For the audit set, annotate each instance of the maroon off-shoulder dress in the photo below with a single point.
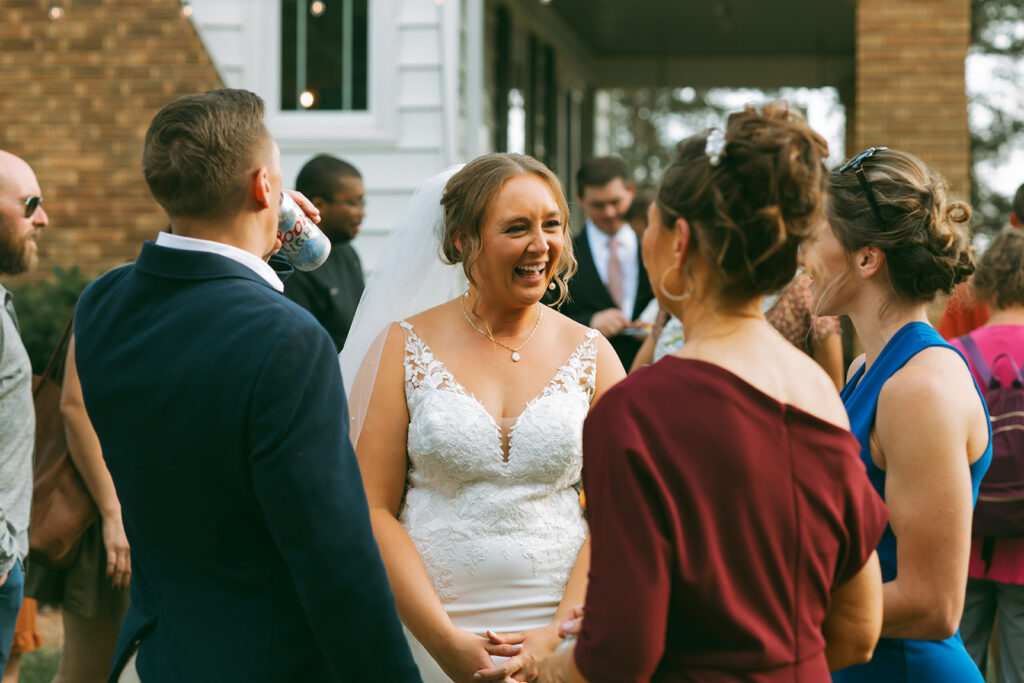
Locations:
(721, 520)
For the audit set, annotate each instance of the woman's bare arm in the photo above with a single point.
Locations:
(923, 423)
(84, 447)
(854, 620)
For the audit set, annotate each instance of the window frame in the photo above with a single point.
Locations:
(377, 124)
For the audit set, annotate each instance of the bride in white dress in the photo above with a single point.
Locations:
(468, 419)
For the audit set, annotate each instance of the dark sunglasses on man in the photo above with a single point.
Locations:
(857, 165)
(31, 204)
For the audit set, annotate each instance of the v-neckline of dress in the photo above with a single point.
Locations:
(459, 388)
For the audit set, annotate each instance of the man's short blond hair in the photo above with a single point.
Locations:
(200, 151)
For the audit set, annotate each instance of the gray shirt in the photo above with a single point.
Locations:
(17, 438)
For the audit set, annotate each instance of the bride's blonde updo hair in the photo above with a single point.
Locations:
(751, 196)
(921, 231)
(467, 199)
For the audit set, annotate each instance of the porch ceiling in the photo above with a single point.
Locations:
(697, 28)
(715, 42)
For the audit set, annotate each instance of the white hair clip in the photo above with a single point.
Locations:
(714, 146)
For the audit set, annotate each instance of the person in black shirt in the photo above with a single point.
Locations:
(332, 291)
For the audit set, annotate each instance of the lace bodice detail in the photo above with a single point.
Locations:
(465, 490)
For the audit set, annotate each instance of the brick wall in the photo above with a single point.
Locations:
(78, 95)
(910, 82)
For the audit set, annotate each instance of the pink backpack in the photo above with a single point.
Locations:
(1000, 508)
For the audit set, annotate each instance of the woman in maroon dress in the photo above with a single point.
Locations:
(733, 526)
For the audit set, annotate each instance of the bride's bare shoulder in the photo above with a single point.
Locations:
(565, 324)
(433, 322)
(437, 317)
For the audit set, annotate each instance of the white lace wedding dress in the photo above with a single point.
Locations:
(492, 511)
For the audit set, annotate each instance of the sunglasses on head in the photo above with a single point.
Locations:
(31, 204)
(857, 165)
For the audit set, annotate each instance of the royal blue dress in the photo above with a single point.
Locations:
(903, 660)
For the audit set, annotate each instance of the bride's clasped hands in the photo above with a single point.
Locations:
(465, 656)
(531, 648)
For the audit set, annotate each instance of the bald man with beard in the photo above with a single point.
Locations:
(21, 218)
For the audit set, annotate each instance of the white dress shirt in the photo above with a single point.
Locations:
(626, 249)
(247, 259)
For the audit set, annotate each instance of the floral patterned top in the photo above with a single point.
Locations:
(791, 316)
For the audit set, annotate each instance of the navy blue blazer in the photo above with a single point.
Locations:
(220, 409)
(588, 295)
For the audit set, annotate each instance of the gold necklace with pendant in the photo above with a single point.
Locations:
(514, 350)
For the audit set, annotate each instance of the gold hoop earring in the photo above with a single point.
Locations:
(669, 295)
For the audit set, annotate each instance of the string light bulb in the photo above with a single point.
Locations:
(545, 2)
(56, 12)
(306, 99)
(186, 9)
(317, 8)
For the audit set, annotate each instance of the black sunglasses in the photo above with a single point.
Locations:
(856, 164)
(31, 204)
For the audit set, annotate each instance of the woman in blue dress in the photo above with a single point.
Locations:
(897, 240)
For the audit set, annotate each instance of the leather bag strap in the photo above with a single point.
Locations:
(56, 362)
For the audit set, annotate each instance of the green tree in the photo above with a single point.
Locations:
(646, 125)
(996, 107)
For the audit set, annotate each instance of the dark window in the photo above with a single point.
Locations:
(324, 54)
(542, 104)
(502, 77)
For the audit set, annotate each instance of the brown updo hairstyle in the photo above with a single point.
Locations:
(999, 281)
(924, 234)
(749, 213)
(468, 196)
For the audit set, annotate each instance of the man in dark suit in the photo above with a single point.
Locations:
(610, 290)
(332, 291)
(221, 413)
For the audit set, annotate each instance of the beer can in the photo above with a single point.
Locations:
(302, 242)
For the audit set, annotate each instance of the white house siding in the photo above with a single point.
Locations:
(407, 135)
(220, 27)
(430, 96)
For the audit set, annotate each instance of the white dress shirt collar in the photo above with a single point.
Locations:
(247, 259)
(625, 237)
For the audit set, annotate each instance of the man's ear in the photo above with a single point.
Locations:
(1015, 221)
(262, 193)
(319, 202)
(868, 261)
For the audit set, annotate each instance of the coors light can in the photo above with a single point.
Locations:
(304, 244)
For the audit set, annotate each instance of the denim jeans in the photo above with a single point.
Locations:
(10, 603)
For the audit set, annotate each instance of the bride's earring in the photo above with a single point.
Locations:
(551, 285)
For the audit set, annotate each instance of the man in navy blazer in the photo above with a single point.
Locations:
(610, 290)
(220, 409)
